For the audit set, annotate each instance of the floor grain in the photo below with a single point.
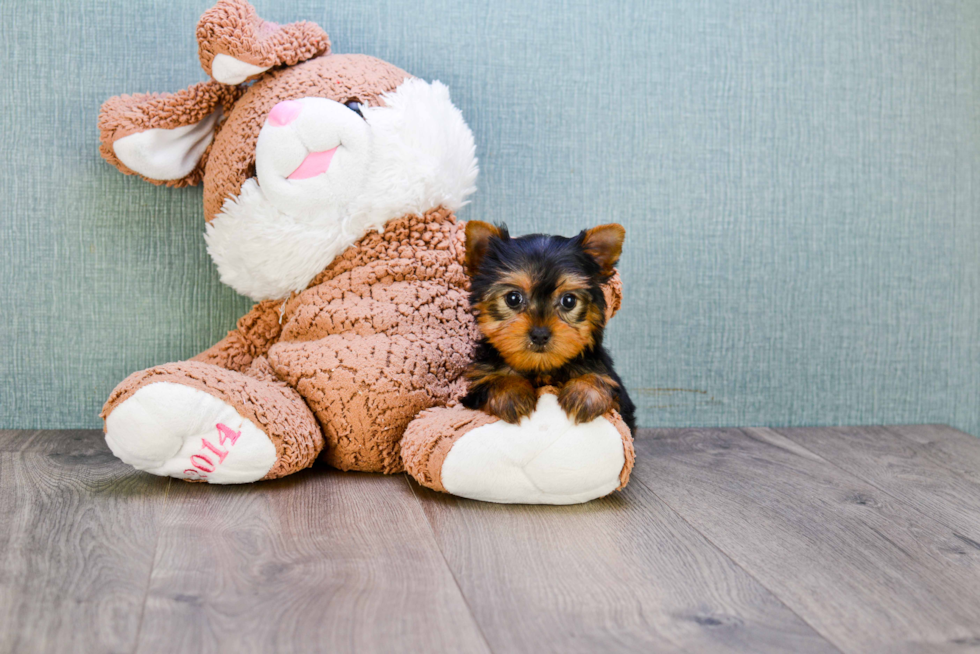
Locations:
(845, 539)
(336, 562)
(945, 446)
(623, 573)
(904, 469)
(76, 546)
(11, 440)
(869, 572)
(66, 441)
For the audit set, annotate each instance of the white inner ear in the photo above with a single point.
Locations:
(167, 154)
(228, 70)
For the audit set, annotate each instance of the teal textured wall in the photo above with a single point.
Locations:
(799, 182)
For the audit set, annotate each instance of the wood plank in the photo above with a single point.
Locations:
(62, 441)
(943, 445)
(620, 574)
(11, 440)
(76, 547)
(867, 571)
(902, 468)
(320, 560)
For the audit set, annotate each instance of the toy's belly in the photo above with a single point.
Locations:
(370, 349)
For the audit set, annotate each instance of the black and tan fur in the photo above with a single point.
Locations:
(540, 306)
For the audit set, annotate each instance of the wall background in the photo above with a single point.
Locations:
(799, 182)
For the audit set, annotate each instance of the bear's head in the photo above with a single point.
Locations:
(301, 151)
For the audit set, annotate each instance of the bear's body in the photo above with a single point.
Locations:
(330, 186)
(383, 333)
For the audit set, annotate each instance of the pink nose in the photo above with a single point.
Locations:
(285, 113)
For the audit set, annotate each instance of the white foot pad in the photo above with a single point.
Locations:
(174, 430)
(546, 459)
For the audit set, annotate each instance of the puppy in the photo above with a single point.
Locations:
(539, 304)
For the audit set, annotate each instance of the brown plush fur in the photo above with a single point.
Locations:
(430, 437)
(381, 334)
(123, 115)
(335, 77)
(378, 341)
(271, 405)
(230, 160)
(235, 29)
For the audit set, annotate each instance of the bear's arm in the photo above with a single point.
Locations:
(256, 332)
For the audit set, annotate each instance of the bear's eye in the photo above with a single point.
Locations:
(355, 106)
(514, 299)
(568, 301)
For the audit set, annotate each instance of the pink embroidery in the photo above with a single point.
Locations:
(226, 433)
(200, 466)
(221, 453)
(202, 463)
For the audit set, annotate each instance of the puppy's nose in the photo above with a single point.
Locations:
(285, 112)
(540, 335)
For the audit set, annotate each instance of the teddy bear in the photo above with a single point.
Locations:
(330, 186)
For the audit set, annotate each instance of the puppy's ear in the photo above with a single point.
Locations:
(604, 244)
(478, 235)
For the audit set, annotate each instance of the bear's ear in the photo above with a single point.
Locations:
(235, 45)
(164, 137)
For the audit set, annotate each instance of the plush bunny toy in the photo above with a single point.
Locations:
(330, 183)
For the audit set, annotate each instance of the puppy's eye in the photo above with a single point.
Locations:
(355, 106)
(568, 301)
(514, 299)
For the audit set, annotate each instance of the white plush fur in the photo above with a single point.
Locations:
(546, 459)
(321, 125)
(167, 154)
(228, 70)
(421, 156)
(162, 425)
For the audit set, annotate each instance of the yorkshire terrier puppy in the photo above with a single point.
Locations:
(539, 304)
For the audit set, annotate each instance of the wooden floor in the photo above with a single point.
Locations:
(805, 540)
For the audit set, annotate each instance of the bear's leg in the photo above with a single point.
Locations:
(364, 390)
(200, 422)
(546, 459)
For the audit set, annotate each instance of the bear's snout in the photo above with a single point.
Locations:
(312, 155)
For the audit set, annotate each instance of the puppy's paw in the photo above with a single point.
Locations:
(511, 398)
(587, 397)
